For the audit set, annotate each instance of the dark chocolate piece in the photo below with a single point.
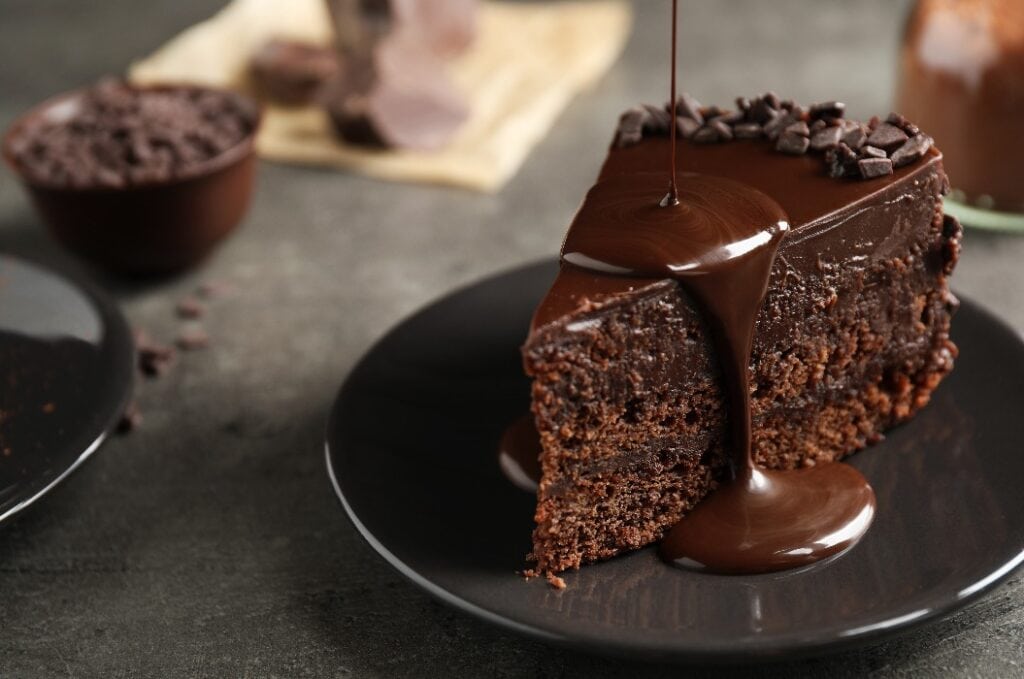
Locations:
(826, 138)
(830, 109)
(871, 152)
(747, 131)
(912, 150)
(887, 136)
(120, 136)
(792, 143)
(874, 167)
(291, 72)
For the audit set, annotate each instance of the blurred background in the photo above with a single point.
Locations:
(233, 557)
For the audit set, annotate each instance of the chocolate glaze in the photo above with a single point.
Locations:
(519, 454)
(719, 241)
(962, 68)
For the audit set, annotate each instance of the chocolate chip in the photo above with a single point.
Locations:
(841, 161)
(871, 152)
(705, 135)
(687, 127)
(747, 131)
(689, 107)
(792, 143)
(799, 128)
(855, 137)
(723, 129)
(826, 138)
(761, 111)
(912, 150)
(631, 127)
(818, 124)
(901, 122)
(887, 136)
(710, 112)
(874, 167)
(731, 117)
(773, 128)
(656, 120)
(832, 109)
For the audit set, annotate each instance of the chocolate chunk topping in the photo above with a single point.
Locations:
(723, 129)
(826, 138)
(792, 129)
(747, 131)
(887, 136)
(687, 127)
(688, 107)
(707, 134)
(855, 137)
(912, 150)
(899, 121)
(792, 143)
(831, 109)
(799, 128)
(874, 167)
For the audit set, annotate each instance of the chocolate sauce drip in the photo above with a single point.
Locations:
(519, 454)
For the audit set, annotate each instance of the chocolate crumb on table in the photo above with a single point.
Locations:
(154, 359)
(131, 419)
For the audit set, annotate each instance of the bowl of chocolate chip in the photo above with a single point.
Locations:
(140, 180)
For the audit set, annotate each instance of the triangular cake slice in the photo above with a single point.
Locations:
(852, 338)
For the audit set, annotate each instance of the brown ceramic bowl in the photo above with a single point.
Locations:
(154, 227)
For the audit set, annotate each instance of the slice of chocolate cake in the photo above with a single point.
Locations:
(851, 338)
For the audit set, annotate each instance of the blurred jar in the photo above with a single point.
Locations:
(962, 82)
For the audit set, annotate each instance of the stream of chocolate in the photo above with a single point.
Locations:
(718, 240)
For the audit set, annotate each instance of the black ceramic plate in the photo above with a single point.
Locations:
(65, 375)
(411, 449)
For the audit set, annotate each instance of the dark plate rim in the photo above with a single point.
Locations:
(749, 651)
(116, 331)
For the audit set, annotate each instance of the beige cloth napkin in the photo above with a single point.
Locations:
(527, 63)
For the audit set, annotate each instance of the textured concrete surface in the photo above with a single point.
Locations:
(209, 542)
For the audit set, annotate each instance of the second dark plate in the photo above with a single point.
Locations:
(66, 372)
(411, 449)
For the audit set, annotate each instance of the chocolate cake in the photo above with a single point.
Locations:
(851, 339)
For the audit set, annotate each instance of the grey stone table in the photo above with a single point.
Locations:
(209, 543)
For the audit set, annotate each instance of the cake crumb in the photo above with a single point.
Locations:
(189, 307)
(130, 420)
(555, 581)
